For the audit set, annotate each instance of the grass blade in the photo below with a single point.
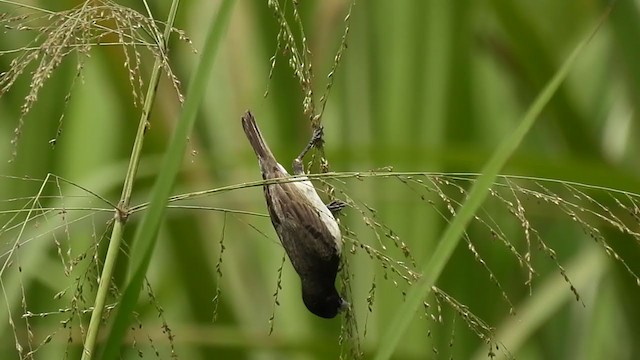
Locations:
(145, 238)
(449, 241)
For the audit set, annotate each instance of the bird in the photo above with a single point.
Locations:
(306, 227)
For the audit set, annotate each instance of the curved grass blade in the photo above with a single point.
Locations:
(145, 238)
(449, 240)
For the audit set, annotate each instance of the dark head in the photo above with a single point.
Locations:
(324, 301)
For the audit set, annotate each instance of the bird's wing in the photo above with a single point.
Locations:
(306, 239)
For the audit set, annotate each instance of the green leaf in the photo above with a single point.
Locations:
(146, 235)
(451, 237)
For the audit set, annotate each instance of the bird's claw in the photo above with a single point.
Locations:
(318, 136)
(335, 206)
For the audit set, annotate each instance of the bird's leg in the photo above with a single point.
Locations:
(335, 206)
(316, 138)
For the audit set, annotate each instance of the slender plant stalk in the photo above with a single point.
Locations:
(125, 198)
(433, 268)
(586, 268)
(146, 235)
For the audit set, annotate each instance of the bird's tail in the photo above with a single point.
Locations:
(264, 154)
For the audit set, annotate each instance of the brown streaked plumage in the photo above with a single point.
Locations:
(307, 229)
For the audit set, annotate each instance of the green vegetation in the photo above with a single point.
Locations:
(426, 107)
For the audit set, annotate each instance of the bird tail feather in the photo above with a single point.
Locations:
(259, 145)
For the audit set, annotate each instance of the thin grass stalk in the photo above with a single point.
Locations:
(121, 213)
(448, 242)
(587, 267)
(145, 238)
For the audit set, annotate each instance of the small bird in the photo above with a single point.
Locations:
(306, 226)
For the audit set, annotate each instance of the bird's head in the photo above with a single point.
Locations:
(323, 301)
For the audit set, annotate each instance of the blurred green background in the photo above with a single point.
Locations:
(426, 86)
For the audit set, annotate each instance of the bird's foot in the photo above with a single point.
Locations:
(335, 206)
